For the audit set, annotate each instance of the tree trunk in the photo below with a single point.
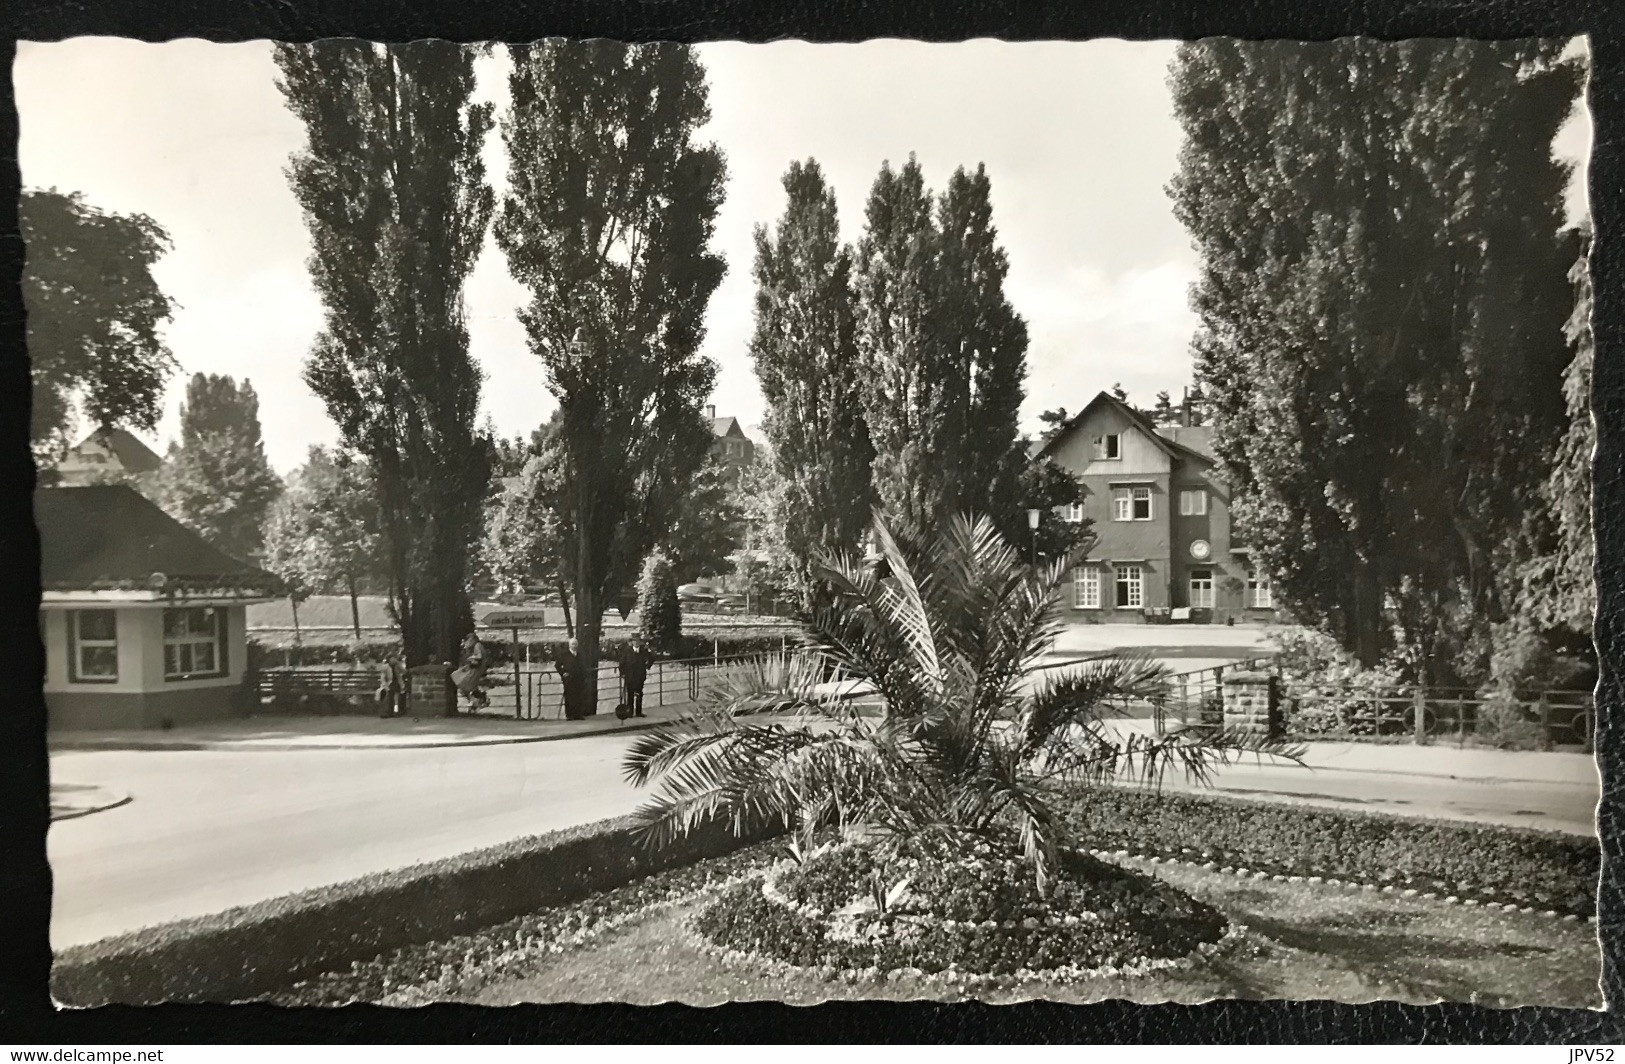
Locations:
(295, 604)
(355, 608)
(588, 610)
(564, 604)
(1367, 619)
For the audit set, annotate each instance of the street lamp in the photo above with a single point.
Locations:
(1033, 516)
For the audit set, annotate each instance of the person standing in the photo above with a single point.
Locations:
(568, 663)
(634, 670)
(471, 675)
(391, 686)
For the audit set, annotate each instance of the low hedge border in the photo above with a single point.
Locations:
(1152, 860)
(1543, 871)
(253, 950)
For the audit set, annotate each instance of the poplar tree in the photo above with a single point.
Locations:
(395, 198)
(608, 223)
(1381, 306)
(805, 352)
(912, 394)
(986, 343)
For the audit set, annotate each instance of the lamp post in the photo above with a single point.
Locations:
(1033, 516)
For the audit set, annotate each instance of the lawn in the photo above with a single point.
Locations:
(1301, 940)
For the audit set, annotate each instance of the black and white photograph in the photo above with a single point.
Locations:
(584, 521)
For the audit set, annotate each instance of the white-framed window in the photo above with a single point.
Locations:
(1260, 595)
(1109, 447)
(1130, 587)
(1131, 504)
(1202, 588)
(194, 643)
(1192, 502)
(92, 646)
(1086, 587)
(1072, 512)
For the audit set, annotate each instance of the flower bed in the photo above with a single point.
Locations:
(851, 908)
(434, 971)
(1544, 870)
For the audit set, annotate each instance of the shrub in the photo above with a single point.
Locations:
(1547, 870)
(257, 949)
(660, 615)
(1502, 722)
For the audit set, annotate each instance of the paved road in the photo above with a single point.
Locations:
(208, 829)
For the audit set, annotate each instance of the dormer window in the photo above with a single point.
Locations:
(1109, 448)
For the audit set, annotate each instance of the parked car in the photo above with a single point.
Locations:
(696, 593)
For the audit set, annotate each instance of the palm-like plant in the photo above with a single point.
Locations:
(973, 735)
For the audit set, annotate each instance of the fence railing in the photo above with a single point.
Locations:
(535, 691)
(532, 691)
(1438, 714)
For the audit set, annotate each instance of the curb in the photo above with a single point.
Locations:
(1239, 872)
(428, 744)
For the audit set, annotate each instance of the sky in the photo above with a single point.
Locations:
(1078, 139)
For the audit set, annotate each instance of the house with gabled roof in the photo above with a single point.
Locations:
(144, 621)
(1161, 514)
(729, 443)
(107, 455)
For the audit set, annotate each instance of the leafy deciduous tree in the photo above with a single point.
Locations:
(608, 223)
(1381, 302)
(324, 534)
(805, 352)
(910, 388)
(394, 194)
(709, 526)
(94, 314)
(216, 478)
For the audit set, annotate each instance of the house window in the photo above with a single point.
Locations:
(194, 643)
(1131, 504)
(1130, 587)
(1260, 595)
(1109, 448)
(1073, 512)
(1193, 503)
(1086, 588)
(1202, 588)
(93, 646)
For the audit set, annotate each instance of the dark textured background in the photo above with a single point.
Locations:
(26, 1014)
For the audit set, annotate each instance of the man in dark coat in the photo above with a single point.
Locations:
(634, 670)
(569, 666)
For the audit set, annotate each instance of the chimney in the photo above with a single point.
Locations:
(711, 412)
(1185, 409)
